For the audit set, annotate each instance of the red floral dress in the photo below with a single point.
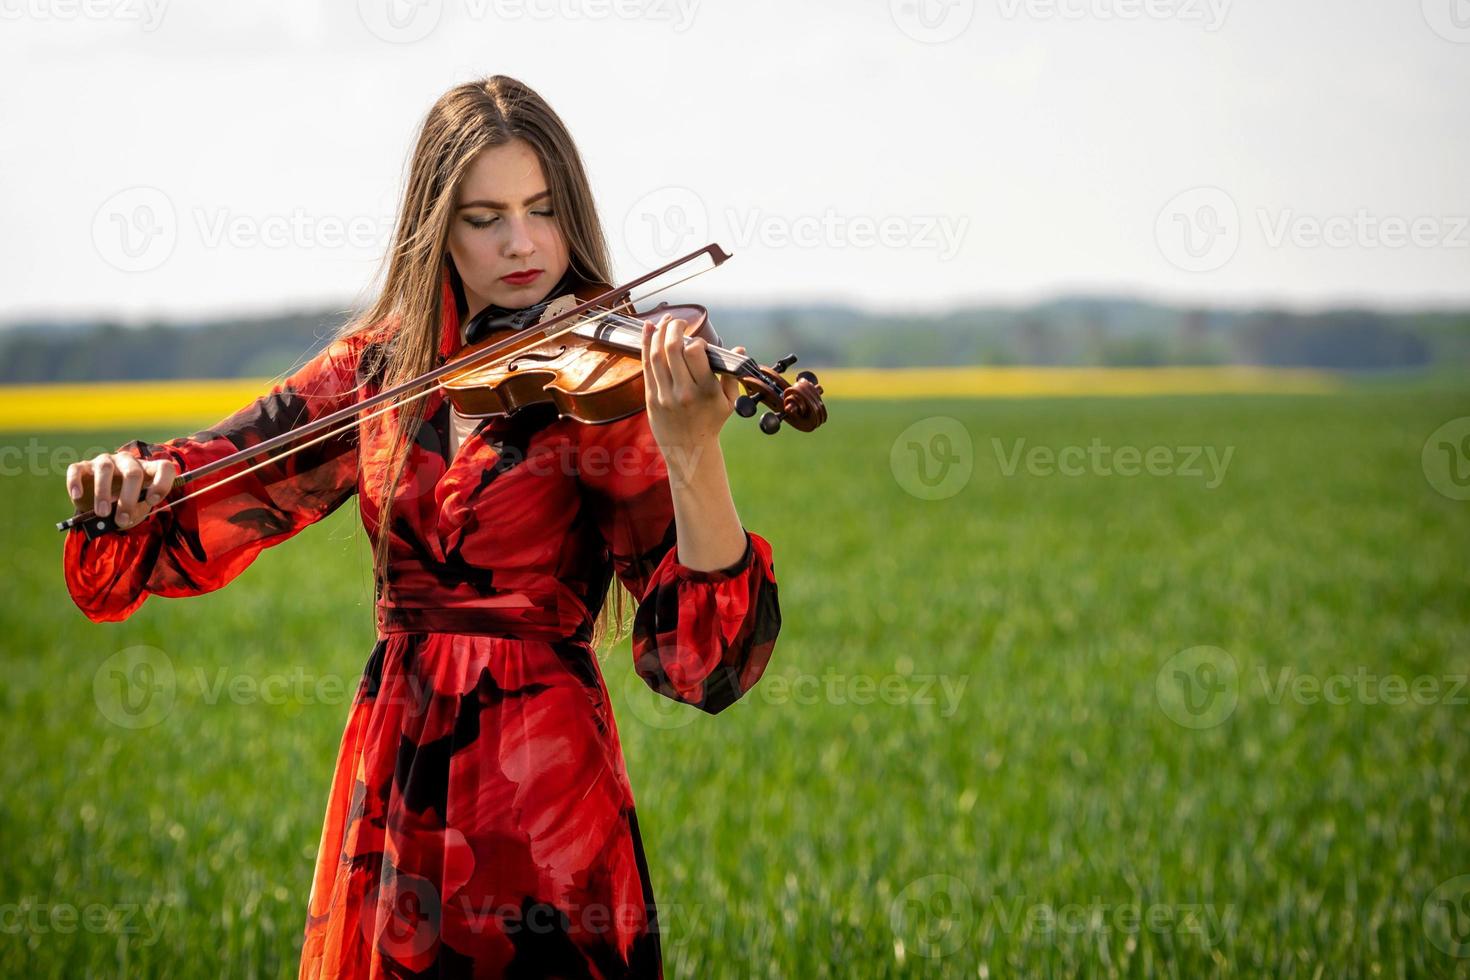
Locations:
(480, 821)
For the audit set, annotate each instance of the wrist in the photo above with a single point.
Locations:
(696, 462)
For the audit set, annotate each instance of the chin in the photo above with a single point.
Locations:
(510, 297)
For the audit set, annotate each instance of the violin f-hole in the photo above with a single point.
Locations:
(538, 356)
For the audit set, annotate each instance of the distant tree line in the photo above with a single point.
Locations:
(1070, 331)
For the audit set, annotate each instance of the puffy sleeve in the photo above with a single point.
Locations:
(203, 543)
(700, 637)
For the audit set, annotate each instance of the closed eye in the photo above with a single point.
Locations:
(487, 222)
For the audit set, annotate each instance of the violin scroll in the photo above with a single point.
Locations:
(798, 403)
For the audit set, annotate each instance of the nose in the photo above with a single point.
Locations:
(518, 240)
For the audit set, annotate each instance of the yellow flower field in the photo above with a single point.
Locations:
(1046, 382)
(110, 404)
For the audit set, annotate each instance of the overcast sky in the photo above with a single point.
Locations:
(166, 158)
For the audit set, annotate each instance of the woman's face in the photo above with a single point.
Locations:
(503, 224)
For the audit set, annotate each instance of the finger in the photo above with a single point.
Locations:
(650, 380)
(731, 386)
(102, 468)
(162, 482)
(128, 510)
(75, 477)
(730, 383)
(660, 364)
(696, 356)
(673, 344)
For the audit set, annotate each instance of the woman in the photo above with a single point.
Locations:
(480, 820)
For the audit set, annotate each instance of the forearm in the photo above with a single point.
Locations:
(710, 535)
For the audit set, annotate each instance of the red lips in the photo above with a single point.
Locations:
(522, 278)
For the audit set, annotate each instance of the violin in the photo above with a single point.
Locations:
(581, 351)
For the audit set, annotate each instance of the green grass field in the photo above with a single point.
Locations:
(1179, 724)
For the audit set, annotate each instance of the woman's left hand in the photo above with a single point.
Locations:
(687, 402)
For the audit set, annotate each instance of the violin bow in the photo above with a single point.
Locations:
(351, 415)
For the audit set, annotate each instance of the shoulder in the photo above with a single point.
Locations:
(352, 360)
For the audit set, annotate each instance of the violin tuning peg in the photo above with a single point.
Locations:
(745, 406)
(770, 423)
(806, 376)
(784, 363)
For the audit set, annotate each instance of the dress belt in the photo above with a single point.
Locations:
(481, 622)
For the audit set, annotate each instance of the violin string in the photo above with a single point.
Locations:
(634, 323)
(437, 386)
(730, 360)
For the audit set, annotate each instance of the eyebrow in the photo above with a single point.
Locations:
(498, 206)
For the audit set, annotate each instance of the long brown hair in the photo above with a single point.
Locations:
(464, 121)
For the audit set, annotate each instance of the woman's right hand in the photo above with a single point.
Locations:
(106, 479)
